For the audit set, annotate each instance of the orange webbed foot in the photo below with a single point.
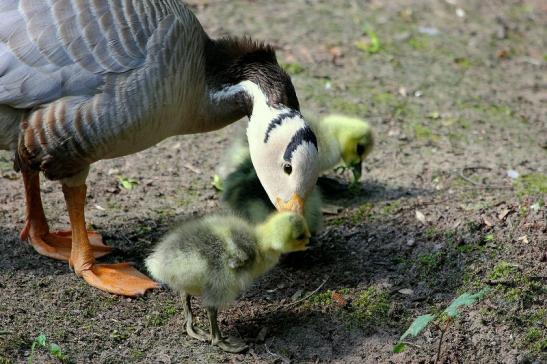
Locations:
(58, 245)
(121, 279)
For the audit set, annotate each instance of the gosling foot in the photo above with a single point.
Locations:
(197, 333)
(231, 344)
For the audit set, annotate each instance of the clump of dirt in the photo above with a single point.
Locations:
(452, 201)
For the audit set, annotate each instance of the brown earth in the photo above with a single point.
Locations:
(457, 95)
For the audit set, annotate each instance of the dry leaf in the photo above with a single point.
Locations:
(339, 299)
(331, 209)
(503, 214)
(487, 221)
(335, 52)
(524, 239)
(420, 217)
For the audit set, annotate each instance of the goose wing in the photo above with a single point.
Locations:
(55, 48)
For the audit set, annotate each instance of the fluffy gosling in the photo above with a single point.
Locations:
(218, 257)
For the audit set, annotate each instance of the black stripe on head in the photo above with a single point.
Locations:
(300, 137)
(278, 121)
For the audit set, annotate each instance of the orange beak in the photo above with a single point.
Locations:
(295, 204)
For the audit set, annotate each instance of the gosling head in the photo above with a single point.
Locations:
(285, 232)
(356, 141)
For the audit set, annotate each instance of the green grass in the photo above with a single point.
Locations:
(368, 309)
(429, 263)
(362, 213)
(534, 184)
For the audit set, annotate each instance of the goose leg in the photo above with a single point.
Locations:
(55, 245)
(192, 331)
(119, 278)
(229, 344)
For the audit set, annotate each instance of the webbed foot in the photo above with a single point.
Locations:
(120, 278)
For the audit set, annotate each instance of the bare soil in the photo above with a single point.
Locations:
(457, 95)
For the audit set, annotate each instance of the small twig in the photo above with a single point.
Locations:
(5, 332)
(500, 282)
(308, 296)
(192, 168)
(441, 341)
(476, 184)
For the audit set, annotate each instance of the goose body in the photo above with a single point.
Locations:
(90, 80)
(218, 257)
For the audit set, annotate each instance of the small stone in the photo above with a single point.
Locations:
(512, 174)
(406, 291)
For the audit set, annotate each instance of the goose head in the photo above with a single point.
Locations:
(283, 148)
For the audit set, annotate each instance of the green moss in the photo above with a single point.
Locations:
(463, 62)
(429, 263)
(419, 42)
(119, 335)
(5, 165)
(516, 286)
(321, 299)
(161, 318)
(293, 68)
(422, 132)
(502, 270)
(531, 185)
(4, 360)
(336, 222)
(137, 354)
(362, 213)
(391, 207)
(369, 308)
(384, 98)
(431, 233)
(535, 339)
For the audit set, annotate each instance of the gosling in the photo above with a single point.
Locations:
(218, 257)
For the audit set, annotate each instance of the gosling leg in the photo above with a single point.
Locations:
(229, 344)
(193, 331)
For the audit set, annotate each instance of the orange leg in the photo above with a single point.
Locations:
(55, 245)
(119, 278)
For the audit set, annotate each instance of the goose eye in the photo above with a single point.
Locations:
(360, 149)
(287, 168)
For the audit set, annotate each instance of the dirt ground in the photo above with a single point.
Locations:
(457, 94)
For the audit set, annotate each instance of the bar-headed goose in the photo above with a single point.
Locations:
(342, 140)
(82, 81)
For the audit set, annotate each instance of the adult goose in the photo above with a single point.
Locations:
(82, 81)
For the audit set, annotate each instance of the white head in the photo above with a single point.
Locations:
(283, 150)
(245, 79)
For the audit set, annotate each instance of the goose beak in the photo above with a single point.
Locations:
(295, 204)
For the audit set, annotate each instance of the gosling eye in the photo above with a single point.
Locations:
(287, 168)
(360, 149)
(301, 237)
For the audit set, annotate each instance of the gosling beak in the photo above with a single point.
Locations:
(356, 170)
(295, 204)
